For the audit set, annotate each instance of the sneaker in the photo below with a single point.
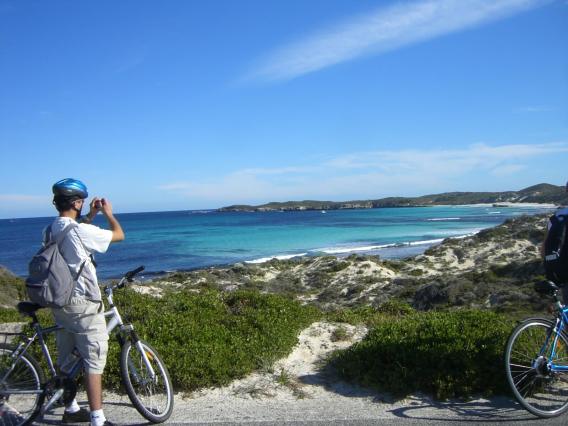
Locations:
(81, 416)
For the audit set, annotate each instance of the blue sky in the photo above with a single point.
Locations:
(188, 105)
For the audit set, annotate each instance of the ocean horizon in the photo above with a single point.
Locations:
(193, 239)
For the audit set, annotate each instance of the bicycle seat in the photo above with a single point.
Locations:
(546, 287)
(28, 308)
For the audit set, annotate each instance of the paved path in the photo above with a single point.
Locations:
(354, 410)
(315, 397)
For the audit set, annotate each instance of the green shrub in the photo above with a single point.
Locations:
(371, 316)
(497, 233)
(488, 277)
(12, 288)
(205, 339)
(285, 283)
(460, 253)
(10, 315)
(446, 354)
(340, 334)
(318, 279)
(396, 307)
(46, 319)
(211, 338)
(394, 265)
(337, 266)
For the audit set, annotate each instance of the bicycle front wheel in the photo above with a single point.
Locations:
(151, 393)
(21, 393)
(535, 357)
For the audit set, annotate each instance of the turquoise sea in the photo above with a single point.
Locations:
(184, 240)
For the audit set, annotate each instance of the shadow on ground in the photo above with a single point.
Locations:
(423, 407)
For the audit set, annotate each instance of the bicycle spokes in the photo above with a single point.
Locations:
(147, 381)
(537, 367)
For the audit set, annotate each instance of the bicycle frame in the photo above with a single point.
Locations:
(561, 322)
(23, 346)
(114, 321)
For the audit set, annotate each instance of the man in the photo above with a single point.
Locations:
(83, 321)
(560, 212)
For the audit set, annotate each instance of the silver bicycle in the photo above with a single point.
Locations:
(26, 392)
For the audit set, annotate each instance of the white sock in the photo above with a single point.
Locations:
(97, 418)
(73, 407)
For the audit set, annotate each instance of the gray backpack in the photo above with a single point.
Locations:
(50, 282)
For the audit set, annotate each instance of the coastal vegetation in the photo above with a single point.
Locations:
(444, 354)
(11, 289)
(541, 193)
(437, 322)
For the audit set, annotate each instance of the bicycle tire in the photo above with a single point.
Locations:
(542, 392)
(154, 400)
(23, 374)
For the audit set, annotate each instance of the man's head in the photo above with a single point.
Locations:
(68, 194)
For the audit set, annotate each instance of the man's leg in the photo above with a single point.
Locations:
(86, 320)
(95, 395)
(94, 358)
(94, 391)
(73, 413)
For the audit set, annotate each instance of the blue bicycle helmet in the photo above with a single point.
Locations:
(70, 188)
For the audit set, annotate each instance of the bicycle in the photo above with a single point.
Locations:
(25, 393)
(536, 359)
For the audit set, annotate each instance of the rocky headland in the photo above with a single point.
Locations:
(541, 194)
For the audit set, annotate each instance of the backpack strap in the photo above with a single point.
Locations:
(61, 236)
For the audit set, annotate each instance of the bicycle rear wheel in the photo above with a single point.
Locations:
(21, 393)
(528, 357)
(152, 397)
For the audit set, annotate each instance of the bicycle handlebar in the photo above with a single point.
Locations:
(550, 288)
(127, 278)
(131, 274)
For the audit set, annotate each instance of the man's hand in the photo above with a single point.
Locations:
(94, 207)
(117, 232)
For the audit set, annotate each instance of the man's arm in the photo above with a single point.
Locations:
(114, 225)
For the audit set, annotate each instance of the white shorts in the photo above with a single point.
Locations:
(84, 328)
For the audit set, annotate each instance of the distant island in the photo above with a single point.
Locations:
(543, 193)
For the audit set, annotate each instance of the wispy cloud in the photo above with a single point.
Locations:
(368, 174)
(475, 156)
(383, 30)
